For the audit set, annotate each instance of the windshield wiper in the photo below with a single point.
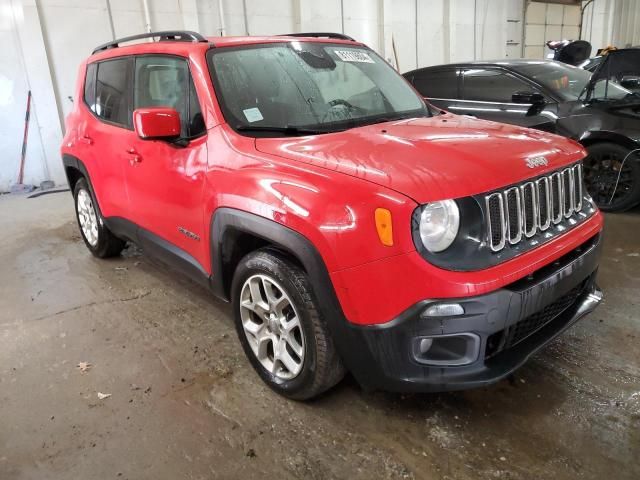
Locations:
(287, 130)
(389, 118)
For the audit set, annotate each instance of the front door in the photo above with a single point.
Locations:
(166, 180)
(487, 93)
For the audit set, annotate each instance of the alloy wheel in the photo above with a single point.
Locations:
(87, 217)
(272, 326)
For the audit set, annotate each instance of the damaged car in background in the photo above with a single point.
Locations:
(593, 109)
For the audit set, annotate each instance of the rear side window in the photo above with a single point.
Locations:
(437, 83)
(485, 85)
(165, 81)
(90, 86)
(112, 92)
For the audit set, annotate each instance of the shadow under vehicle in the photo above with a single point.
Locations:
(594, 109)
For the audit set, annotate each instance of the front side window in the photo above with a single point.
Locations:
(437, 83)
(308, 85)
(570, 82)
(112, 92)
(486, 85)
(165, 81)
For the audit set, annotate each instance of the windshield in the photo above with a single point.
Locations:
(568, 82)
(304, 87)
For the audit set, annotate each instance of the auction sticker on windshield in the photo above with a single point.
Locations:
(253, 114)
(353, 56)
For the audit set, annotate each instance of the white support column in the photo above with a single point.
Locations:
(37, 65)
(385, 25)
(189, 12)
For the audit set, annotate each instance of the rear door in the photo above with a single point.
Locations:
(105, 136)
(487, 93)
(166, 180)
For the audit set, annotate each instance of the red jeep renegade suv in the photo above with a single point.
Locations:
(352, 226)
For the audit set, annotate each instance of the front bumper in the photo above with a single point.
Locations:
(507, 325)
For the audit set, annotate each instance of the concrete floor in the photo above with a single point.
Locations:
(186, 404)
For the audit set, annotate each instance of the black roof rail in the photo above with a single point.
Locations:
(165, 36)
(339, 36)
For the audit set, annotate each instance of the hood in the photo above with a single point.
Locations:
(446, 156)
(617, 64)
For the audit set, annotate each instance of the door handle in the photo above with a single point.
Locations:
(135, 158)
(86, 139)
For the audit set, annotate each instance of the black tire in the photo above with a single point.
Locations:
(107, 244)
(603, 169)
(321, 367)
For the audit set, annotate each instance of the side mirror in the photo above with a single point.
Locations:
(533, 98)
(157, 123)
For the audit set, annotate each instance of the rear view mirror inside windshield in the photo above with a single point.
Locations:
(315, 56)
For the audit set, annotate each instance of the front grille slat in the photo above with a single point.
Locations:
(524, 210)
(544, 203)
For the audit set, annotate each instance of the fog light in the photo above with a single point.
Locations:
(443, 310)
(447, 350)
(425, 345)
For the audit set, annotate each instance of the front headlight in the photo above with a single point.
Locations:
(439, 224)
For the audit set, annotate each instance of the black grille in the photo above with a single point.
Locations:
(529, 208)
(495, 213)
(556, 212)
(543, 187)
(519, 331)
(568, 190)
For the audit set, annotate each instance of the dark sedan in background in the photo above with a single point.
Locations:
(547, 95)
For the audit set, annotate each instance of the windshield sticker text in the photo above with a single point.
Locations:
(353, 56)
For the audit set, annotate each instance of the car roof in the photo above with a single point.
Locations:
(187, 46)
(232, 41)
(511, 62)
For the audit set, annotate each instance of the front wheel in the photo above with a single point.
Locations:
(612, 177)
(97, 237)
(280, 327)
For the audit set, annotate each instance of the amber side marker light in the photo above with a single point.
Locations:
(384, 226)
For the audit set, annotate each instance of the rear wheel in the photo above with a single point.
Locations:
(280, 326)
(612, 181)
(97, 237)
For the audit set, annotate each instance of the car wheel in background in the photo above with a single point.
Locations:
(612, 181)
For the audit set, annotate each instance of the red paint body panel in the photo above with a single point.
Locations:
(367, 302)
(435, 158)
(325, 187)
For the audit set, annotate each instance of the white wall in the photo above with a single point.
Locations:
(44, 40)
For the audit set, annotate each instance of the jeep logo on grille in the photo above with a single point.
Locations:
(534, 162)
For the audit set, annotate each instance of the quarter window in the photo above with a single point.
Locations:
(164, 81)
(486, 85)
(90, 86)
(112, 92)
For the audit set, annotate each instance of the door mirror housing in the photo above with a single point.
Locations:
(157, 123)
(533, 98)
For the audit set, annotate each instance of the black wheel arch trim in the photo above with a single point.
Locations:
(602, 136)
(346, 336)
(69, 161)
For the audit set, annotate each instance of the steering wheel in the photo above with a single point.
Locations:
(340, 109)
